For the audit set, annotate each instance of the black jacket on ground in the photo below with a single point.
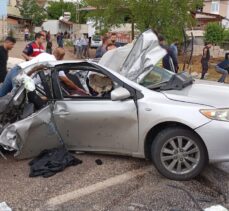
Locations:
(51, 161)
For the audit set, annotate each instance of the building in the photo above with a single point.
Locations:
(55, 26)
(11, 21)
(3, 17)
(218, 7)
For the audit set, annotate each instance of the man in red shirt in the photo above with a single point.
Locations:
(34, 48)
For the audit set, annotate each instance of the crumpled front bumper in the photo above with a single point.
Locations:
(215, 135)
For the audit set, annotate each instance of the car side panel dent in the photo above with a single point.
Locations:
(31, 135)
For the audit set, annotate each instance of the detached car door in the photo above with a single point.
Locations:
(95, 122)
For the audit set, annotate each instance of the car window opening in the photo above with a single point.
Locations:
(95, 85)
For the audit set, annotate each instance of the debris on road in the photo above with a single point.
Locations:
(216, 208)
(51, 161)
(4, 207)
(99, 162)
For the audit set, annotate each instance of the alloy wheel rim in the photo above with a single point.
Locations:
(180, 155)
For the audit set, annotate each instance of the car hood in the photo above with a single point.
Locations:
(136, 58)
(202, 92)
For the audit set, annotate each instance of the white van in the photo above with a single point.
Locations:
(96, 41)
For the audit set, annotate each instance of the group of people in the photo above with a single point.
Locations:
(81, 46)
(169, 61)
(33, 53)
(34, 49)
(222, 67)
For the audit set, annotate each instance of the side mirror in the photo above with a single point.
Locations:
(120, 94)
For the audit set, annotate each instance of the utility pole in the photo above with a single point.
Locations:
(77, 17)
(77, 12)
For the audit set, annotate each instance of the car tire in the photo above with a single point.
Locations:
(178, 153)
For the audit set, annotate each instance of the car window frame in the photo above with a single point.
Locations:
(90, 67)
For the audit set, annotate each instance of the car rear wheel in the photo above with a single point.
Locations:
(178, 153)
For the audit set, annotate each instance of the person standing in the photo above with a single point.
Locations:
(26, 34)
(7, 46)
(205, 59)
(174, 49)
(48, 36)
(49, 46)
(78, 48)
(34, 48)
(74, 39)
(61, 40)
(113, 40)
(169, 61)
(84, 42)
(102, 49)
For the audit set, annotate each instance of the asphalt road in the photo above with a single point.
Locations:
(120, 183)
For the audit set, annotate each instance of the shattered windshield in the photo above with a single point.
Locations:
(156, 76)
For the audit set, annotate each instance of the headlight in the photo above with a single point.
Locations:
(216, 114)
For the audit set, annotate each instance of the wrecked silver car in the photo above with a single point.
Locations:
(137, 109)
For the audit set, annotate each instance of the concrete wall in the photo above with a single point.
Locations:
(215, 51)
(80, 29)
(55, 26)
(52, 26)
(3, 29)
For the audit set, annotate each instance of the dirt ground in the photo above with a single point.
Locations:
(196, 67)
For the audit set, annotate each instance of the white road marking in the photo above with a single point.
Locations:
(57, 200)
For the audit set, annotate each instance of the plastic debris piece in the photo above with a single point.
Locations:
(216, 208)
(4, 207)
(98, 162)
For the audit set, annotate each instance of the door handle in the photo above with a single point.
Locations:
(62, 113)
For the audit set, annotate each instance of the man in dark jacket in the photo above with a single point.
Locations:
(205, 59)
(169, 61)
(7, 46)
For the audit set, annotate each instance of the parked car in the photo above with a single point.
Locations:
(139, 110)
(96, 41)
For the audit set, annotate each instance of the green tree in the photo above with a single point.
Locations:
(30, 10)
(226, 35)
(165, 16)
(57, 9)
(109, 13)
(214, 33)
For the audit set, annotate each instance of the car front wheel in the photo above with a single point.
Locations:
(178, 153)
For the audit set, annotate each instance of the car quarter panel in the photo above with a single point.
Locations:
(155, 109)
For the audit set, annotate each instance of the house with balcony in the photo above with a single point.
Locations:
(213, 11)
(218, 8)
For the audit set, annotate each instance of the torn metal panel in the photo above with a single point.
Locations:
(135, 59)
(31, 135)
(145, 53)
